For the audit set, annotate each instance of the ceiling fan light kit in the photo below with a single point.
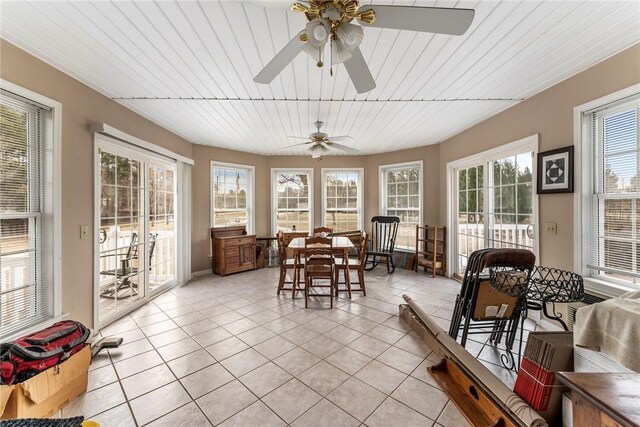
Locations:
(330, 22)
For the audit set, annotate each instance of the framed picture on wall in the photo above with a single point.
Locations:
(555, 171)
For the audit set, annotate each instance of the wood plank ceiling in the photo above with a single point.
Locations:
(189, 66)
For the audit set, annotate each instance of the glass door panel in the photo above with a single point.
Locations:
(121, 234)
(162, 230)
(494, 207)
(510, 215)
(470, 219)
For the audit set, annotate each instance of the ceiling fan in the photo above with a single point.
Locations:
(330, 22)
(320, 143)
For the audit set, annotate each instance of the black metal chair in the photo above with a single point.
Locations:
(384, 230)
(128, 268)
(478, 293)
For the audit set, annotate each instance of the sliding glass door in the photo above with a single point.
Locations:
(494, 204)
(136, 228)
(162, 226)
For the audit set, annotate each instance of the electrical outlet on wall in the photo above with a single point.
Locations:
(84, 232)
(551, 227)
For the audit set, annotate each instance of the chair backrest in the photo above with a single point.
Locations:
(362, 249)
(515, 259)
(384, 230)
(318, 250)
(152, 245)
(319, 231)
(282, 248)
(132, 250)
(355, 236)
(288, 236)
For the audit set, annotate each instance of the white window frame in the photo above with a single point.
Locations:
(51, 176)
(119, 142)
(359, 184)
(251, 185)
(529, 143)
(582, 196)
(274, 194)
(382, 180)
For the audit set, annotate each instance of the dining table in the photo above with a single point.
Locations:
(339, 244)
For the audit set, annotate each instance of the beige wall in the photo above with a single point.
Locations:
(263, 164)
(80, 106)
(549, 114)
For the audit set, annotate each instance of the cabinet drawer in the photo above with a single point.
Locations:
(242, 241)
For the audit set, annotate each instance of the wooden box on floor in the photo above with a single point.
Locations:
(43, 395)
(233, 250)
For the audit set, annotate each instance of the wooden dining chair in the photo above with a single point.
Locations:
(287, 264)
(346, 265)
(288, 237)
(322, 231)
(319, 268)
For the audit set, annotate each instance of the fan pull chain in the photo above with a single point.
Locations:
(331, 57)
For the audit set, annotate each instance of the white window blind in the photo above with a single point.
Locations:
(614, 249)
(25, 298)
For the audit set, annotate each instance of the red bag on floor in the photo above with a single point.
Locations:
(32, 354)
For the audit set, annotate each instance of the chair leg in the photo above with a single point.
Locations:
(283, 274)
(347, 280)
(391, 269)
(307, 281)
(294, 285)
(331, 286)
(361, 280)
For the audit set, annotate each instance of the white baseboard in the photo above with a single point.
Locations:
(202, 272)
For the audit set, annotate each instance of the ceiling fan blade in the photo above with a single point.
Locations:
(343, 148)
(428, 19)
(294, 145)
(342, 138)
(359, 72)
(280, 61)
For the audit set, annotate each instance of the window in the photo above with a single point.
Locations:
(342, 196)
(232, 195)
(28, 284)
(612, 143)
(492, 201)
(292, 199)
(401, 196)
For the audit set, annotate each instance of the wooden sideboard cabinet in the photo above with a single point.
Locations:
(233, 250)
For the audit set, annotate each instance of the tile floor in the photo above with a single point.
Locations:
(228, 351)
